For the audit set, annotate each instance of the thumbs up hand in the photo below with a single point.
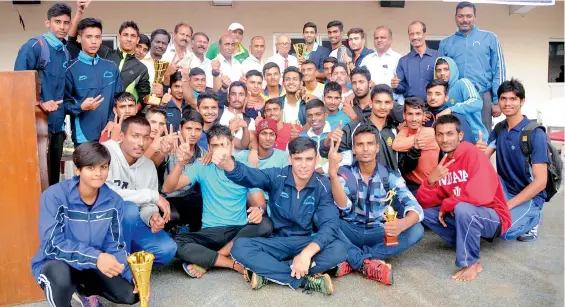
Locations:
(482, 145)
(394, 81)
(166, 98)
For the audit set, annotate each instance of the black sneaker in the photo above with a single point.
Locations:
(319, 283)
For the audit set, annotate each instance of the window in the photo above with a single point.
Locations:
(110, 40)
(555, 63)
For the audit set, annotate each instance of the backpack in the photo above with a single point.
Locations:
(44, 57)
(351, 180)
(555, 167)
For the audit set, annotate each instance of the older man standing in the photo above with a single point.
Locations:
(255, 59)
(239, 52)
(382, 64)
(228, 65)
(282, 58)
(179, 47)
(478, 56)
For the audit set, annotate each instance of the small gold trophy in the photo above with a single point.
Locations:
(390, 215)
(300, 49)
(160, 68)
(141, 264)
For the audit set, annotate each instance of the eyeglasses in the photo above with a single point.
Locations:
(283, 44)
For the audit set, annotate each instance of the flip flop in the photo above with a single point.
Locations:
(194, 267)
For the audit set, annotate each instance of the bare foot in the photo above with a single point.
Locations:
(238, 267)
(469, 273)
(195, 272)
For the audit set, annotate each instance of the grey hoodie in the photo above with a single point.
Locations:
(136, 183)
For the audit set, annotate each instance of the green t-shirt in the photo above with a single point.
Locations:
(240, 55)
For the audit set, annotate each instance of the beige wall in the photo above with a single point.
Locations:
(524, 39)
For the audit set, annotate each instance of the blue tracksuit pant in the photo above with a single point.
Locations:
(524, 216)
(272, 257)
(138, 237)
(368, 243)
(464, 231)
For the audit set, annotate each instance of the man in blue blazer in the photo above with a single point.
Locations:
(314, 52)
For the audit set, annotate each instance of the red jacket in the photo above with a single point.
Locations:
(471, 179)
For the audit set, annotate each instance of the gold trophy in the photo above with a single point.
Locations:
(300, 49)
(141, 264)
(390, 215)
(160, 68)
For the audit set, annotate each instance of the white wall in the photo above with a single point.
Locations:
(524, 39)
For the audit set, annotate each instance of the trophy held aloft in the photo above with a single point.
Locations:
(140, 264)
(300, 49)
(390, 216)
(160, 67)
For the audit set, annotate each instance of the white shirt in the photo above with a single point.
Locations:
(290, 113)
(383, 67)
(148, 62)
(318, 91)
(227, 116)
(170, 54)
(231, 69)
(279, 60)
(251, 63)
(206, 66)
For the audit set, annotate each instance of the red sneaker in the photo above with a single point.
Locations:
(377, 270)
(343, 269)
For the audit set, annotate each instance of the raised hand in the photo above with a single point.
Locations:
(50, 106)
(335, 135)
(420, 140)
(440, 171)
(226, 81)
(91, 104)
(347, 107)
(294, 131)
(482, 145)
(222, 158)
(394, 81)
(334, 157)
(168, 141)
(215, 66)
(114, 132)
(184, 151)
(173, 67)
(82, 5)
(444, 112)
(259, 117)
(166, 98)
(157, 89)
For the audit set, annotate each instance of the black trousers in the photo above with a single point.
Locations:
(186, 210)
(59, 281)
(54, 154)
(202, 247)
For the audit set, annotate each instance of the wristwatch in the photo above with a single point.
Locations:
(215, 73)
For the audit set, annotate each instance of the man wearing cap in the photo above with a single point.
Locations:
(269, 156)
(239, 53)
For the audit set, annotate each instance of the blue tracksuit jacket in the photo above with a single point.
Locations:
(465, 100)
(52, 76)
(479, 58)
(89, 77)
(293, 213)
(75, 233)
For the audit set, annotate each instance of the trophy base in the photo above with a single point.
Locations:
(153, 100)
(391, 241)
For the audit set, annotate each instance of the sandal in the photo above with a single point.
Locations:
(194, 267)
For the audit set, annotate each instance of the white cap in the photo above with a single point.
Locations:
(235, 26)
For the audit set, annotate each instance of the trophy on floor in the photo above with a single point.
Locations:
(390, 216)
(140, 264)
(300, 49)
(160, 67)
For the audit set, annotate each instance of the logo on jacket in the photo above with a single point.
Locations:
(82, 78)
(457, 191)
(108, 74)
(100, 216)
(452, 101)
(476, 42)
(454, 177)
(389, 141)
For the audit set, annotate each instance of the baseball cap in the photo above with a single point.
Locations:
(267, 123)
(235, 26)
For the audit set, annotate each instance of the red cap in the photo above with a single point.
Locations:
(267, 123)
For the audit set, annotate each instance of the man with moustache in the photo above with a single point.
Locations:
(382, 63)
(229, 66)
(234, 117)
(255, 59)
(239, 52)
(179, 47)
(160, 39)
(482, 61)
(415, 69)
(199, 46)
(340, 74)
(282, 58)
(133, 74)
